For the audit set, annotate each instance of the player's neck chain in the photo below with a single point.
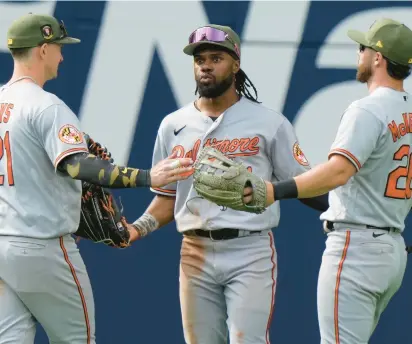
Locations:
(22, 78)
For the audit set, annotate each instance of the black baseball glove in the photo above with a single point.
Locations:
(101, 219)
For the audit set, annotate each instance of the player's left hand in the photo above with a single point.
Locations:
(248, 194)
(223, 181)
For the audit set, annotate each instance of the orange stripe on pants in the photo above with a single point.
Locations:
(79, 288)
(336, 309)
(272, 246)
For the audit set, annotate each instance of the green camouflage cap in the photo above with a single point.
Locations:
(32, 30)
(389, 37)
(218, 35)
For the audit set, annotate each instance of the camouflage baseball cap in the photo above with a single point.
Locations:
(222, 36)
(389, 37)
(32, 30)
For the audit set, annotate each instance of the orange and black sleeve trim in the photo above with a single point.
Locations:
(164, 192)
(66, 153)
(347, 155)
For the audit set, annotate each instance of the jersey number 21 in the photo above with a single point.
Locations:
(5, 148)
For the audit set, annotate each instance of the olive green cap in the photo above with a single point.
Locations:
(231, 43)
(32, 30)
(389, 37)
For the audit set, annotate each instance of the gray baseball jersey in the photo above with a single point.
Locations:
(373, 135)
(261, 138)
(39, 208)
(265, 141)
(37, 130)
(362, 268)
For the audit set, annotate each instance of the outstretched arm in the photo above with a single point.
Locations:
(315, 182)
(89, 168)
(358, 134)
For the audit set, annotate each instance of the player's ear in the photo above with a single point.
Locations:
(378, 59)
(236, 66)
(43, 50)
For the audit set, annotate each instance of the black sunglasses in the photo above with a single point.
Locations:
(362, 49)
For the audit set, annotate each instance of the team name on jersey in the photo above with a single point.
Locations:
(5, 112)
(232, 148)
(401, 129)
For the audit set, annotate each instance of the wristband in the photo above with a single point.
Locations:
(285, 189)
(145, 224)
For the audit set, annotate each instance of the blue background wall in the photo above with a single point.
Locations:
(129, 72)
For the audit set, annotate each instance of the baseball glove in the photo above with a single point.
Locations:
(222, 181)
(101, 219)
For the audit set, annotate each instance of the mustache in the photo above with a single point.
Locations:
(206, 75)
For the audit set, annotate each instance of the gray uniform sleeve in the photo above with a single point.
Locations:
(57, 129)
(159, 154)
(357, 136)
(287, 157)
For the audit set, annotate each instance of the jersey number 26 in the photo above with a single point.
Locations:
(392, 189)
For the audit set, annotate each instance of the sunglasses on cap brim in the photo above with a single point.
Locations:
(363, 47)
(210, 34)
(63, 30)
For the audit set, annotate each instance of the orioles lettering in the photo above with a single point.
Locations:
(232, 148)
(5, 112)
(401, 129)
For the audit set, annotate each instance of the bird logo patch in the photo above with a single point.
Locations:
(47, 31)
(299, 156)
(70, 135)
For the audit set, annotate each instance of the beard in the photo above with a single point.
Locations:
(214, 90)
(364, 73)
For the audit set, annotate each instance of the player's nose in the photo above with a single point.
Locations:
(206, 67)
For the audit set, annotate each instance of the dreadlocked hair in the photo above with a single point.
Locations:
(242, 85)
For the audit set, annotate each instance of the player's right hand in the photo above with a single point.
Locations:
(171, 170)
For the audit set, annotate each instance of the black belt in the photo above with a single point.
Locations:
(218, 234)
(329, 225)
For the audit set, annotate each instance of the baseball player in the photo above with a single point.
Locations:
(43, 157)
(369, 176)
(228, 259)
